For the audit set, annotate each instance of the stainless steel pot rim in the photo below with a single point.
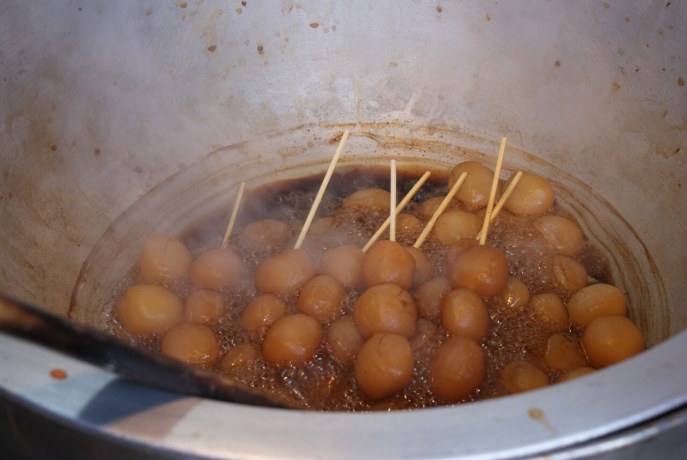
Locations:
(521, 425)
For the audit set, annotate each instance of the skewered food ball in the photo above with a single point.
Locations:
(424, 270)
(345, 263)
(148, 309)
(516, 296)
(457, 369)
(262, 312)
(409, 226)
(560, 233)
(483, 269)
(463, 313)
(216, 269)
(532, 196)
(520, 376)
(596, 300)
(385, 308)
(474, 193)
(610, 339)
(267, 233)
(285, 273)
(344, 339)
(292, 339)
(203, 307)
(321, 298)
(549, 309)
(429, 296)
(456, 224)
(191, 343)
(164, 260)
(384, 365)
(388, 262)
(370, 198)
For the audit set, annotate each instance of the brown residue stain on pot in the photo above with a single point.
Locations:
(314, 25)
(627, 19)
(148, 11)
(439, 9)
(681, 82)
(557, 63)
(58, 374)
(606, 5)
(53, 148)
(183, 5)
(615, 86)
(212, 48)
(261, 49)
(239, 10)
(538, 415)
(96, 152)
(393, 64)
(487, 17)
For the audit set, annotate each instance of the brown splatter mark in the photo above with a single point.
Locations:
(393, 64)
(79, 9)
(668, 4)
(627, 19)
(621, 51)
(244, 3)
(439, 9)
(637, 69)
(96, 152)
(615, 86)
(261, 49)
(183, 5)
(58, 374)
(681, 82)
(53, 148)
(487, 17)
(148, 11)
(212, 48)
(239, 10)
(539, 416)
(557, 63)
(314, 25)
(606, 5)
(138, 169)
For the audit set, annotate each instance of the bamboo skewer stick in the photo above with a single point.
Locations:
(442, 207)
(502, 201)
(234, 213)
(320, 192)
(406, 199)
(492, 193)
(392, 202)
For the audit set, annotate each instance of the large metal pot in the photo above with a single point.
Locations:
(121, 117)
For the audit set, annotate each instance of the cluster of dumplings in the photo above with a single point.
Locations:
(394, 317)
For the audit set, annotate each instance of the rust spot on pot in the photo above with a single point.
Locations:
(538, 415)
(58, 374)
(314, 25)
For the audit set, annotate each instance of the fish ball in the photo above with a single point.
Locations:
(216, 269)
(345, 263)
(596, 300)
(548, 308)
(564, 353)
(610, 339)
(520, 376)
(575, 373)
(267, 233)
(385, 308)
(429, 296)
(191, 343)
(164, 260)
(516, 295)
(456, 224)
(262, 312)
(457, 369)
(483, 269)
(321, 298)
(241, 357)
(560, 233)
(384, 365)
(292, 339)
(474, 193)
(569, 274)
(149, 309)
(409, 226)
(532, 196)
(388, 262)
(455, 250)
(203, 307)
(424, 270)
(371, 198)
(344, 339)
(285, 273)
(463, 313)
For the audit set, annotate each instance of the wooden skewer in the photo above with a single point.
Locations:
(442, 207)
(392, 202)
(492, 193)
(503, 199)
(320, 192)
(234, 213)
(406, 199)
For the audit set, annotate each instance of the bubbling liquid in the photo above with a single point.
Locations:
(392, 328)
